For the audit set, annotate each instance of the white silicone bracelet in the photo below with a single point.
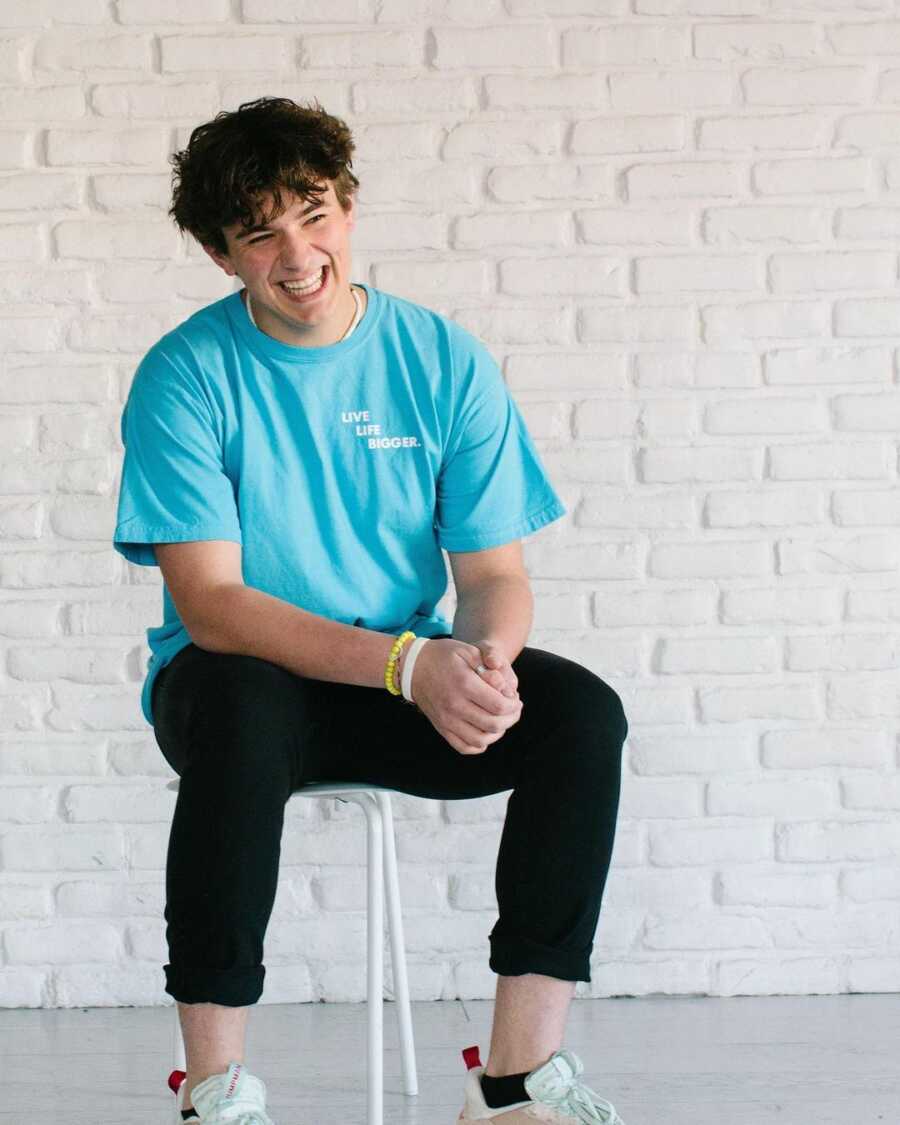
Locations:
(408, 663)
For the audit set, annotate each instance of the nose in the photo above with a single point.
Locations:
(296, 253)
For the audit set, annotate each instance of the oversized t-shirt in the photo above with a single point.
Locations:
(342, 470)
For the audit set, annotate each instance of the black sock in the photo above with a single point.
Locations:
(186, 1113)
(505, 1090)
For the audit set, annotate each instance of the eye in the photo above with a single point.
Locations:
(261, 237)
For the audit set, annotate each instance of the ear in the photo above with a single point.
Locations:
(350, 213)
(222, 260)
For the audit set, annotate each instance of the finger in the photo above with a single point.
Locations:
(495, 702)
(478, 725)
(492, 722)
(497, 681)
(491, 676)
(506, 677)
(511, 694)
(458, 744)
(500, 682)
(471, 734)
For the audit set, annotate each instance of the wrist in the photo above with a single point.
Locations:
(401, 665)
(401, 661)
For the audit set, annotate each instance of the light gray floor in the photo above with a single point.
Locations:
(820, 1060)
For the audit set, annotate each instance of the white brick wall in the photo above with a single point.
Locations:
(674, 222)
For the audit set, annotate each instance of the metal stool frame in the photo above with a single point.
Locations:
(381, 853)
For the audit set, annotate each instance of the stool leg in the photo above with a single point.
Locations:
(178, 1053)
(398, 947)
(375, 935)
(178, 1042)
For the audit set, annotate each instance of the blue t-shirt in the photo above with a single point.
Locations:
(341, 470)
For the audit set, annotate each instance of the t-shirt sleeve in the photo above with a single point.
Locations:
(492, 487)
(174, 487)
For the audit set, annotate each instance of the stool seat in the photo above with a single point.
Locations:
(326, 788)
(381, 855)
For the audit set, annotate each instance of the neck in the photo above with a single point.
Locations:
(357, 294)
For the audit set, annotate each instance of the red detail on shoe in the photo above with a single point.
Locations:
(471, 1057)
(235, 1073)
(175, 1080)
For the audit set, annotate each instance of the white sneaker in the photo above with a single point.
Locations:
(236, 1097)
(555, 1096)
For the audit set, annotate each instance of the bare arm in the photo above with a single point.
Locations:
(222, 614)
(243, 619)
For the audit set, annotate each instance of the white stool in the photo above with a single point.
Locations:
(382, 869)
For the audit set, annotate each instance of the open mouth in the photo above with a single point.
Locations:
(299, 296)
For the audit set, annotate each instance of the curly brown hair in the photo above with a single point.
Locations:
(267, 145)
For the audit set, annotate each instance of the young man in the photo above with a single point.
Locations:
(297, 454)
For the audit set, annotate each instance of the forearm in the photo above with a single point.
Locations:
(500, 609)
(242, 619)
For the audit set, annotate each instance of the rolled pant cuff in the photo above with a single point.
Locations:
(234, 988)
(514, 956)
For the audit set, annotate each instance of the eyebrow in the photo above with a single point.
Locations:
(253, 230)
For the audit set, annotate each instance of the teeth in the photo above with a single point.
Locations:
(310, 284)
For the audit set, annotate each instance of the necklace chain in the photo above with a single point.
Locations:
(357, 315)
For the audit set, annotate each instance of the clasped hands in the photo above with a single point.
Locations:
(469, 692)
(496, 670)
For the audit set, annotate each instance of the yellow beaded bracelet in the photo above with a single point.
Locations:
(396, 649)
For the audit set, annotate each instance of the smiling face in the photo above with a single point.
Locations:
(307, 237)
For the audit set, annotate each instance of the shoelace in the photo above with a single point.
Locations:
(584, 1103)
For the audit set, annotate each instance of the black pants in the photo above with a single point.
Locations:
(244, 733)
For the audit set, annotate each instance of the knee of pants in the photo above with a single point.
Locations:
(614, 709)
(590, 699)
(596, 748)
